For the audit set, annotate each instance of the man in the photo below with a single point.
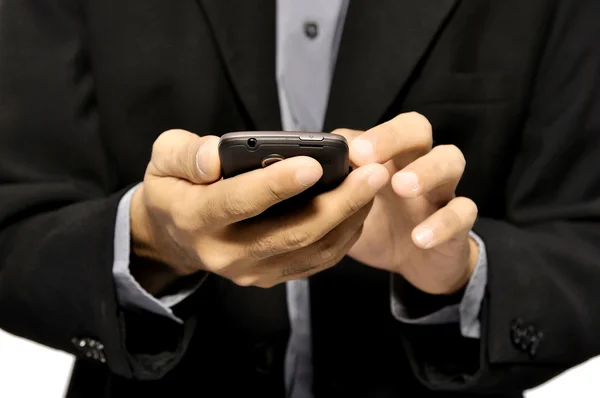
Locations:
(400, 282)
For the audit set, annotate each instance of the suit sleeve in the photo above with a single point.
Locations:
(541, 311)
(59, 194)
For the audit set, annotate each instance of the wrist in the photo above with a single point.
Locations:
(472, 256)
(149, 238)
(147, 266)
(142, 242)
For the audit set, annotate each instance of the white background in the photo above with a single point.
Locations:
(28, 370)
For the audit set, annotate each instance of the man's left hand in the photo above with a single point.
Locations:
(417, 226)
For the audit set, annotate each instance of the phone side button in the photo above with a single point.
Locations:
(311, 137)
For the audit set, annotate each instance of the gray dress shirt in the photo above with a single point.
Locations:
(308, 37)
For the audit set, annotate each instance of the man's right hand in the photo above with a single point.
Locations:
(189, 219)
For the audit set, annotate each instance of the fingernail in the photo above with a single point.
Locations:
(424, 236)
(203, 159)
(309, 175)
(362, 148)
(408, 181)
(377, 179)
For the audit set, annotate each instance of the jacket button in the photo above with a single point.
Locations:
(534, 344)
(517, 332)
(526, 338)
(90, 348)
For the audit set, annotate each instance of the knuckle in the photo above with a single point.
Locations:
(180, 220)
(165, 140)
(157, 146)
(419, 119)
(328, 254)
(167, 156)
(422, 129)
(351, 206)
(474, 208)
(206, 212)
(469, 207)
(392, 130)
(452, 219)
(265, 284)
(461, 213)
(306, 266)
(235, 205)
(454, 154)
(275, 191)
(330, 241)
(448, 162)
(341, 131)
(162, 140)
(158, 159)
(346, 133)
(245, 280)
(331, 257)
(315, 263)
(294, 269)
(311, 268)
(297, 239)
(188, 220)
(262, 248)
(330, 251)
(424, 139)
(334, 257)
(218, 263)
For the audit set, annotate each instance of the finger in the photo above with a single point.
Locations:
(349, 135)
(454, 220)
(324, 213)
(329, 250)
(318, 257)
(181, 154)
(249, 194)
(436, 174)
(323, 260)
(408, 134)
(269, 238)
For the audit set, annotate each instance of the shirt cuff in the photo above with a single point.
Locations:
(466, 313)
(130, 293)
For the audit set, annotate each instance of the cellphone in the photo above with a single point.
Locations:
(244, 151)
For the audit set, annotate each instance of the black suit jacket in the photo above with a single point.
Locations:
(87, 85)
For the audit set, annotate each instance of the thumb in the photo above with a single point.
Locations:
(181, 154)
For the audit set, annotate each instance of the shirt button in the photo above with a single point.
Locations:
(311, 29)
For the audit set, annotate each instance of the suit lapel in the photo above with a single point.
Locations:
(382, 43)
(245, 33)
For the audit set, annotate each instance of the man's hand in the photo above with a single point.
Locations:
(188, 218)
(417, 227)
